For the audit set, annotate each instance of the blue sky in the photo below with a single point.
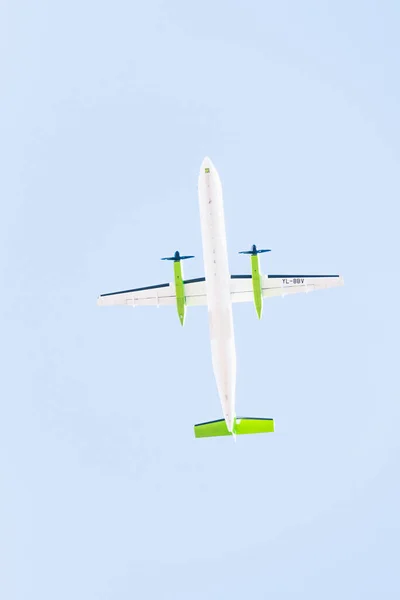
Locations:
(107, 110)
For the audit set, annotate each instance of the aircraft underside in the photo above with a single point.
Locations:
(218, 290)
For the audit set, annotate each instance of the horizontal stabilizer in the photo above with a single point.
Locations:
(245, 425)
(242, 426)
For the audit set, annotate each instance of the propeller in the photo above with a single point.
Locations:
(253, 251)
(176, 257)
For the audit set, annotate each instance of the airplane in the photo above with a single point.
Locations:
(218, 290)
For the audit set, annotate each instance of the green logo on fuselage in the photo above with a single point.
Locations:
(207, 170)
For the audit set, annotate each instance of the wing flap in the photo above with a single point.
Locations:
(242, 426)
(196, 292)
(242, 288)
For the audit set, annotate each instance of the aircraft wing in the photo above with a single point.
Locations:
(281, 285)
(162, 294)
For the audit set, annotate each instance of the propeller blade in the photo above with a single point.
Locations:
(254, 251)
(177, 257)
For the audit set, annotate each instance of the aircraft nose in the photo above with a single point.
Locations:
(206, 164)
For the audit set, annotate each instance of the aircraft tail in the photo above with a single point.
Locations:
(241, 426)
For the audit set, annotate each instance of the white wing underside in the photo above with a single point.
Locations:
(160, 295)
(282, 285)
(241, 290)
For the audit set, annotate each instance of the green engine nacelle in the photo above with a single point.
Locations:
(179, 284)
(256, 277)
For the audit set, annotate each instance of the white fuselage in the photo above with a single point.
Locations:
(218, 282)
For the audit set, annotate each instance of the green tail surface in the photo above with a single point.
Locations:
(242, 426)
